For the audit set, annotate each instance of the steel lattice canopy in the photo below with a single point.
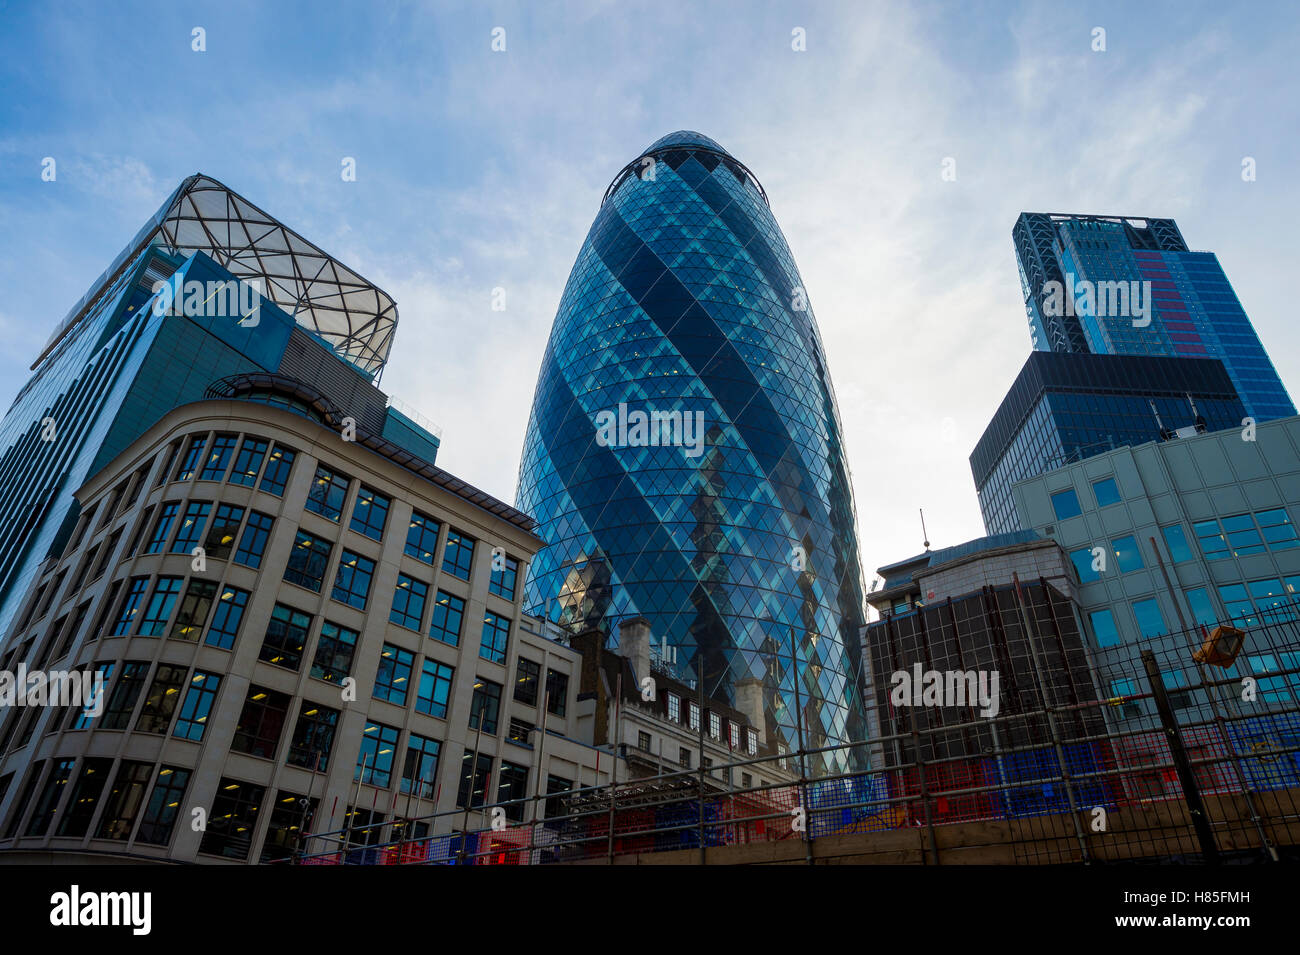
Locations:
(354, 316)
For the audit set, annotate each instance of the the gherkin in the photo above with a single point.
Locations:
(743, 547)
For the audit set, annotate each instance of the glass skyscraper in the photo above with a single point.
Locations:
(1074, 269)
(1063, 408)
(116, 364)
(729, 522)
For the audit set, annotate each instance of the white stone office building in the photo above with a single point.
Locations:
(296, 631)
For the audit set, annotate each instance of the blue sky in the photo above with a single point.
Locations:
(478, 169)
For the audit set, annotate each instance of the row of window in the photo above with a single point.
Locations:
(1274, 599)
(1065, 503)
(179, 532)
(1238, 536)
(736, 734)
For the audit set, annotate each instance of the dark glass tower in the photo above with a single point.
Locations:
(1075, 268)
(741, 551)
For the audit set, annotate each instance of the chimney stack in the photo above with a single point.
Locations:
(634, 645)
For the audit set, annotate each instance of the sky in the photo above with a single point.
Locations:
(481, 169)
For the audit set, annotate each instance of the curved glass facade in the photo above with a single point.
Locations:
(726, 516)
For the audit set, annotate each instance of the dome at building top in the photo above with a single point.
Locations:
(684, 137)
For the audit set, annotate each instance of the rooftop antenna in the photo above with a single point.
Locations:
(924, 533)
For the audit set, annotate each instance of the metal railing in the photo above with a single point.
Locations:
(1205, 769)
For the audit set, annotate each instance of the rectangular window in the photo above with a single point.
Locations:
(313, 737)
(1127, 555)
(124, 800)
(160, 702)
(1106, 492)
(83, 716)
(435, 688)
(334, 652)
(496, 635)
(197, 706)
(375, 761)
(448, 614)
(191, 529)
(693, 711)
(365, 827)
(458, 555)
(715, 726)
(73, 631)
(408, 602)
(1279, 533)
(162, 527)
(260, 722)
(684, 756)
(48, 804)
(473, 786)
(194, 609)
(1176, 543)
(221, 535)
(140, 528)
(233, 819)
(1237, 603)
(1103, 627)
(1243, 536)
(161, 604)
(420, 771)
(227, 618)
(503, 581)
(164, 806)
(1268, 598)
(422, 537)
(307, 561)
(370, 513)
(286, 635)
(352, 580)
(278, 466)
(527, 677)
(733, 734)
(512, 788)
(290, 815)
(1213, 544)
(85, 797)
(1083, 565)
(218, 459)
(169, 459)
(674, 707)
(557, 693)
(555, 787)
(643, 741)
(121, 702)
(1066, 504)
(193, 455)
(751, 742)
(328, 490)
(248, 462)
(1202, 607)
(394, 676)
(486, 701)
(1149, 619)
(16, 812)
(518, 730)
